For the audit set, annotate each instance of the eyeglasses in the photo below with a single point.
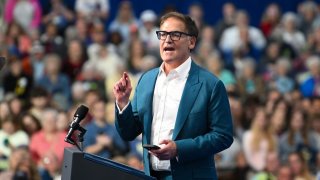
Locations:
(174, 35)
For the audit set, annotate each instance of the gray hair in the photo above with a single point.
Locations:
(289, 16)
(313, 61)
(284, 62)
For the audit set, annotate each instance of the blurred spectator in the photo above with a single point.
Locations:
(249, 83)
(310, 86)
(242, 39)
(315, 106)
(16, 81)
(269, 59)
(308, 16)
(270, 19)
(278, 117)
(34, 64)
(228, 19)
(298, 137)
(196, 12)
(275, 50)
(102, 138)
(281, 79)
(98, 38)
(237, 114)
(288, 32)
(79, 30)
(299, 166)
(55, 82)
(39, 99)
(315, 124)
(11, 136)
(271, 169)
(135, 162)
(21, 166)
(77, 91)
(106, 62)
(29, 123)
(75, 59)
(125, 21)
(136, 148)
(52, 41)
(26, 13)
(258, 141)
(147, 32)
(118, 45)
(242, 168)
(16, 107)
(205, 45)
(59, 14)
(17, 40)
(215, 65)
(94, 10)
(284, 173)
(136, 53)
(48, 140)
(63, 121)
(4, 110)
(226, 159)
(90, 79)
(313, 40)
(92, 97)
(148, 62)
(52, 167)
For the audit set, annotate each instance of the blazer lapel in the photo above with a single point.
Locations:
(149, 89)
(188, 98)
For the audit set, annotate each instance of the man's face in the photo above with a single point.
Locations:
(175, 52)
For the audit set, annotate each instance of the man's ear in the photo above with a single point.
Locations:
(192, 42)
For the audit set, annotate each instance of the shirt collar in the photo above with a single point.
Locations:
(181, 71)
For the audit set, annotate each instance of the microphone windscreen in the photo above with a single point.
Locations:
(81, 111)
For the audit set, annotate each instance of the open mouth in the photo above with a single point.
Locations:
(166, 49)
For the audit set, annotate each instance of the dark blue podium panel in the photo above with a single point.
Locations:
(83, 166)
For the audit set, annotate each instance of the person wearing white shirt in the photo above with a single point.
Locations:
(179, 107)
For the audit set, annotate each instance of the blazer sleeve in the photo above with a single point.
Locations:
(127, 123)
(220, 129)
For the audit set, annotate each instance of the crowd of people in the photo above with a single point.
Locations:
(59, 59)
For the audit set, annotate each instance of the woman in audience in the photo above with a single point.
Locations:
(297, 137)
(48, 140)
(56, 82)
(21, 166)
(11, 136)
(299, 167)
(29, 123)
(258, 141)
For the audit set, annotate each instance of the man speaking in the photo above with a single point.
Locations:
(180, 107)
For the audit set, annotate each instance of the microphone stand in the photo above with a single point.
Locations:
(80, 139)
(80, 136)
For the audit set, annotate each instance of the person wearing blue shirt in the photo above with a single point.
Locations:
(101, 137)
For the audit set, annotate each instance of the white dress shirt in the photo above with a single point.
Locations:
(166, 99)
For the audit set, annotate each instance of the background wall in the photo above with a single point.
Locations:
(212, 8)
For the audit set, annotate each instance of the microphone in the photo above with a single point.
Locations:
(2, 62)
(77, 118)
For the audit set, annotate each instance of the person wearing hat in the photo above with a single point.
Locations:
(148, 30)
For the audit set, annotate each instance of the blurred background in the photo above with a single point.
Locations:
(60, 54)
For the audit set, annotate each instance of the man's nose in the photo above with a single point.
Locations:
(168, 39)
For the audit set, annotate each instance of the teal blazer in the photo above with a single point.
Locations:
(203, 126)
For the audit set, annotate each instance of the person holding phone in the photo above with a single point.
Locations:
(179, 107)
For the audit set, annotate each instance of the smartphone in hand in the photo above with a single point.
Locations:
(150, 147)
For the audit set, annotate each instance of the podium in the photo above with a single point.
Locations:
(79, 165)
